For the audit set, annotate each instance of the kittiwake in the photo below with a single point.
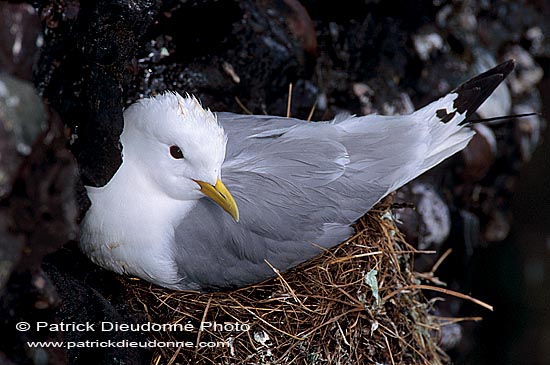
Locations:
(290, 188)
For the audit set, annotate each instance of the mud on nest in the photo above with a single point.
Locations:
(325, 311)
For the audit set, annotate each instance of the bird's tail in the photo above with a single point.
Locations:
(448, 116)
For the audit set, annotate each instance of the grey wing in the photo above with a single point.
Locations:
(298, 186)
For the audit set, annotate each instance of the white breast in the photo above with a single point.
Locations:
(132, 233)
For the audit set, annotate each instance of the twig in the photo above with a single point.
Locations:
(445, 321)
(389, 348)
(441, 290)
(441, 259)
(348, 258)
(157, 361)
(285, 284)
(202, 321)
(244, 108)
(289, 100)
(310, 115)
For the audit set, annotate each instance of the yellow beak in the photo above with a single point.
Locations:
(220, 195)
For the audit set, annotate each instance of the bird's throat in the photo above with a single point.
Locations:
(130, 225)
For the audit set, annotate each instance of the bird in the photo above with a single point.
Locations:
(207, 201)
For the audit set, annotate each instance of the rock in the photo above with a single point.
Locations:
(237, 56)
(93, 295)
(498, 227)
(432, 221)
(539, 39)
(528, 131)
(20, 39)
(480, 154)
(527, 73)
(38, 217)
(427, 44)
(450, 336)
(249, 34)
(22, 119)
(85, 61)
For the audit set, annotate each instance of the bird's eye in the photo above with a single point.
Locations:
(175, 151)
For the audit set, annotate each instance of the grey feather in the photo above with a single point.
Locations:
(300, 185)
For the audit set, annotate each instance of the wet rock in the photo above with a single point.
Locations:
(432, 221)
(435, 216)
(94, 295)
(539, 38)
(266, 43)
(364, 94)
(20, 39)
(300, 23)
(88, 55)
(450, 336)
(39, 214)
(480, 154)
(498, 226)
(427, 44)
(406, 215)
(461, 23)
(527, 73)
(36, 206)
(535, 35)
(10, 250)
(470, 232)
(22, 119)
(4, 360)
(238, 56)
(528, 131)
(401, 106)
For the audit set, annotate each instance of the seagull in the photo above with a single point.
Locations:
(208, 202)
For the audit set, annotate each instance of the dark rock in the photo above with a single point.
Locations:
(39, 216)
(367, 56)
(87, 58)
(264, 43)
(451, 335)
(36, 193)
(93, 295)
(22, 119)
(430, 222)
(498, 226)
(301, 25)
(20, 39)
(528, 131)
(479, 155)
(428, 42)
(527, 74)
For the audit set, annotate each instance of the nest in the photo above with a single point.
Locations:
(358, 303)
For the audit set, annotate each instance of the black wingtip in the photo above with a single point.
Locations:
(502, 117)
(475, 91)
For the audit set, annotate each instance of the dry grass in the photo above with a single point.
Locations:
(322, 312)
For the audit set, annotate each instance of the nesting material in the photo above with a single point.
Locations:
(351, 305)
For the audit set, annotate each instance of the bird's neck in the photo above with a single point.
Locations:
(133, 223)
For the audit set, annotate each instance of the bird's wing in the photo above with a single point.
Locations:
(299, 186)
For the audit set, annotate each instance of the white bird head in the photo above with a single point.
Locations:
(179, 147)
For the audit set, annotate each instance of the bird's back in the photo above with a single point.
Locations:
(300, 185)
